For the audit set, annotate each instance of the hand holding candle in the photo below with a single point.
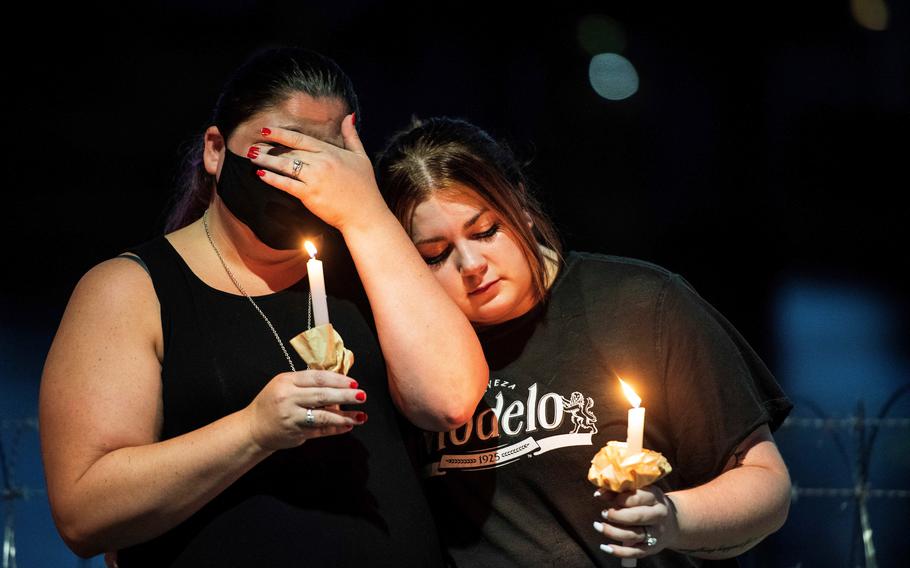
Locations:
(628, 467)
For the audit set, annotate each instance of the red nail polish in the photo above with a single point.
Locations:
(361, 417)
(260, 173)
(354, 119)
(266, 131)
(253, 152)
(361, 396)
(353, 384)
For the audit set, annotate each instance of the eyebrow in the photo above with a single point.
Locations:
(466, 225)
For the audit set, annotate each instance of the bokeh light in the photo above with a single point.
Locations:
(612, 76)
(601, 34)
(870, 14)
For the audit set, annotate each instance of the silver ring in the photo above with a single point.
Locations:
(310, 419)
(297, 165)
(650, 540)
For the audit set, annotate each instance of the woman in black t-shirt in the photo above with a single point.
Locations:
(508, 487)
(177, 424)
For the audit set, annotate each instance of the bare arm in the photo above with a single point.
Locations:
(111, 483)
(720, 519)
(736, 510)
(437, 370)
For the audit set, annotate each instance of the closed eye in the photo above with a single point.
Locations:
(488, 234)
(439, 258)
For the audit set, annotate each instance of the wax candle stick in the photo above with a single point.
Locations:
(635, 430)
(317, 286)
(635, 433)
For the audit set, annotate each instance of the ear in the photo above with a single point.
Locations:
(213, 152)
(523, 190)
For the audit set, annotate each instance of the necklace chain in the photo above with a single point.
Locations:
(208, 233)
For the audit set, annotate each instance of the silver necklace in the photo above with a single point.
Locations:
(208, 233)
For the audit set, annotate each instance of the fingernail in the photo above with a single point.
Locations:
(266, 131)
(253, 152)
(353, 385)
(361, 396)
(599, 527)
(361, 417)
(354, 119)
(605, 513)
(260, 173)
(598, 493)
(606, 548)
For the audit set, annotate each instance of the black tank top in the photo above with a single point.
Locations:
(348, 500)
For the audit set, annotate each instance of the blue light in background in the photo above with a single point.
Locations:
(836, 346)
(840, 358)
(23, 348)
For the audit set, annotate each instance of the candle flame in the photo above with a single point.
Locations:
(634, 399)
(310, 248)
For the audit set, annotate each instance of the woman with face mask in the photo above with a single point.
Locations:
(509, 487)
(177, 424)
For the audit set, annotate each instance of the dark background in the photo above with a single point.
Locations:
(763, 157)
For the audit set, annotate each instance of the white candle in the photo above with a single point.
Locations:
(317, 286)
(635, 432)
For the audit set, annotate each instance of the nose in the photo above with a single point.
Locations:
(471, 262)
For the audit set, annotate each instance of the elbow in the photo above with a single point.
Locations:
(78, 539)
(446, 419)
(780, 495)
(457, 417)
(75, 529)
(459, 410)
(455, 409)
(783, 509)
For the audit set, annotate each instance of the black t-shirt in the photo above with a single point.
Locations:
(347, 500)
(510, 487)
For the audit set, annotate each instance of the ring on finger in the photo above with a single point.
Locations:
(650, 540)
(297, 165)
(310, 419)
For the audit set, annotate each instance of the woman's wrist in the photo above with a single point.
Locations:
(367, 227)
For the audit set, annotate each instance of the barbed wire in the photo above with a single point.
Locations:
(21, 493)
(848, 492)
(848, 423)
(29, 422)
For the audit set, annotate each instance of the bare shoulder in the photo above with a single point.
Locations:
(113, 305)
(116, 275)
(115, 290)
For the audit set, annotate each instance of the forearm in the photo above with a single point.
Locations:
(437, 369)
(133, 494)
(732, 513)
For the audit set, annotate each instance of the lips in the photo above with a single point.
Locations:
(482, 289)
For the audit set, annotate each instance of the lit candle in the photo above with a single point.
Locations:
(317, 286)
(635, 431)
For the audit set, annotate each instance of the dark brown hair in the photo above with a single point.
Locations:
(433, 154)
(266, 80)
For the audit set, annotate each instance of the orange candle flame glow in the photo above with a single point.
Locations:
(634, 399)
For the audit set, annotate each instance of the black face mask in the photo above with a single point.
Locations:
(276, 217)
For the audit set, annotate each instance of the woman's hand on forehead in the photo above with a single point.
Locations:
(336, 183)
